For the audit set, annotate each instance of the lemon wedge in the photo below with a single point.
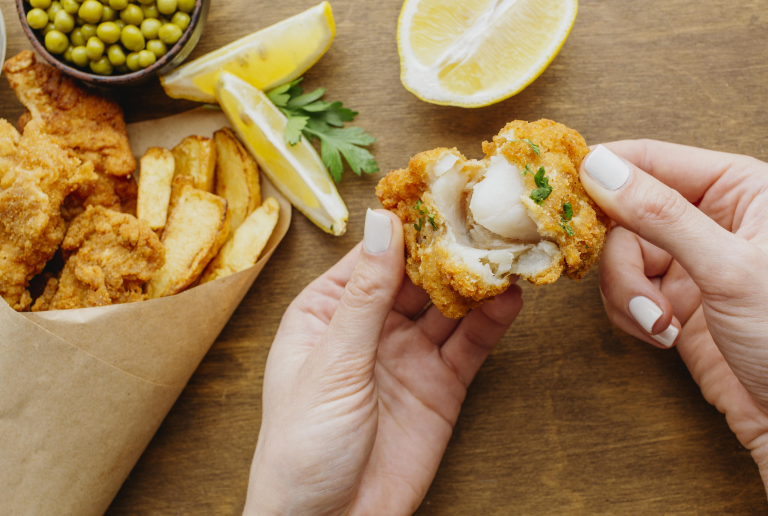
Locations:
(297, 171)
(472, 53)
(266, 59)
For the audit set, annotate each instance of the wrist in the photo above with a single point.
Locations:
(760, 456)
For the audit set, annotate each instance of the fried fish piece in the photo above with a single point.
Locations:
(91, 125)
(471, 225)
(38, 172)
(111, 256)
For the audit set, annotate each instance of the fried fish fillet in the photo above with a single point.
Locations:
(91, 125)
(111, 256)
(471, 225)
(37, 172)
(88, 123)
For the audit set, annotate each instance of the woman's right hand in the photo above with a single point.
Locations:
(688, 264)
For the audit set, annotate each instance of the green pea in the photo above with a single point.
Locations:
(88, 31)
(108, 14)
(169, 33)
(56, 42)
(146, 58)
(116, 55)
(37, 18)
(132, 15)
(94, 48)
(150, 11)
(101, 66)
(91, 11)
(103, 2)
(48, 28)
(131, 38)
(157, 47)
(150, 28)
(68, 54)
(186, 6)
(146, 2)
(64, 22)
(76, 37)
(40, 4)
(80, 56)
(167, 7)
(118, 5)
(181, 20)
(54, 8)
(108, 32)
(132, 62)
(120, 23)
(122, 69)
(70, 6)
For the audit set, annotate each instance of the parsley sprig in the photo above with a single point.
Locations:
(543, 189)
(423, 211)
(566, 217)
(309, 115)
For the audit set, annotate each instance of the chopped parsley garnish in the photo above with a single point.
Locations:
(527, 169)
(566, 217)
(419, 207)
(543, 189)
(533, 146)
(315, 118)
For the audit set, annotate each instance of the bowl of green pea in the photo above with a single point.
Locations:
(113, 42)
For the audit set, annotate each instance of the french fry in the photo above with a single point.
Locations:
(156, 174)
(237, 176)
(196, 157)
(197, 228)
(243, 249)
(177, 188)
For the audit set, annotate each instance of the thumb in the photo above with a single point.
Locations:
(659, 214)
(354, 332)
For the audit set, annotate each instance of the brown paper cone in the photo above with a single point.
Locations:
(82, 392)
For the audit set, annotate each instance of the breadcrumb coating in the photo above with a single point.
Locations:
(457, 265)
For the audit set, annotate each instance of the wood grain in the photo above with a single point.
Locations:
(569, 416)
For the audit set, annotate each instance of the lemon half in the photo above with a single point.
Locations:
(266, 59)
(297, 171)
(473, 53)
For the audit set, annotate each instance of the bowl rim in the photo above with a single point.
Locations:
(122, 79)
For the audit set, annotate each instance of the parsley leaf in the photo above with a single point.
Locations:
(527, 169)
(316, 119)
(566, 217)
(533, 146)
(543, 189)
(567, 211)
(419, 207)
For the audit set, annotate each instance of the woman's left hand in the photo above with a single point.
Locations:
(360, 399)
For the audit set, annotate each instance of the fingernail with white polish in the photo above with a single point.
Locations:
(645, 312)
(667, 337)
(606, 168)
(378, 232)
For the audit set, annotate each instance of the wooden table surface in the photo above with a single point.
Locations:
(569, 415)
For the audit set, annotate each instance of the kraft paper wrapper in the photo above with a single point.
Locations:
(82, 392)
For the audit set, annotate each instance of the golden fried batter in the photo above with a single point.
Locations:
(470, 225)
(36, 173)
(112, 256)
(88, 123)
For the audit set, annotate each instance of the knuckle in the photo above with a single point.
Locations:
(662, 205)
(363, 288)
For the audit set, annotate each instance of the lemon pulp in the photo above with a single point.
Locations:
(476, 52)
